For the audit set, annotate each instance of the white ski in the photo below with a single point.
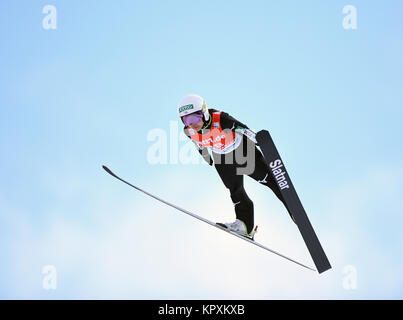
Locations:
(205, 220)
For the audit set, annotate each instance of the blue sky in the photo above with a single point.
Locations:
(91, 91)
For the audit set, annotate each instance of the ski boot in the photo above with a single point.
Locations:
(238, 227)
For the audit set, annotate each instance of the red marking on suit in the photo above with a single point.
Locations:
(216, 138)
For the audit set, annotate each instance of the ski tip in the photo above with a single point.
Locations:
(107, 169)
(262, 133)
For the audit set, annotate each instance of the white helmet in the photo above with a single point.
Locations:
(192, 103)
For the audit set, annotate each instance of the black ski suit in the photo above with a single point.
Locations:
(229, 170)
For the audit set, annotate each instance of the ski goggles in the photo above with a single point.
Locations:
(192, 118)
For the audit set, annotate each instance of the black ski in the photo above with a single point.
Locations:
(280, 175)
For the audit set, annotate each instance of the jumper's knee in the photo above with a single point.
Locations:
(239, 195)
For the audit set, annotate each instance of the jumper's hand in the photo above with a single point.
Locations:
(248, 133)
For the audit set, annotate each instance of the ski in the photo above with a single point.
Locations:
(280, 175)
(205, 220)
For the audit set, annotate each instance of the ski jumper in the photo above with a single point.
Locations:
(218, 135)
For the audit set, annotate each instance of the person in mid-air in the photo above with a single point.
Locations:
(233, 148)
